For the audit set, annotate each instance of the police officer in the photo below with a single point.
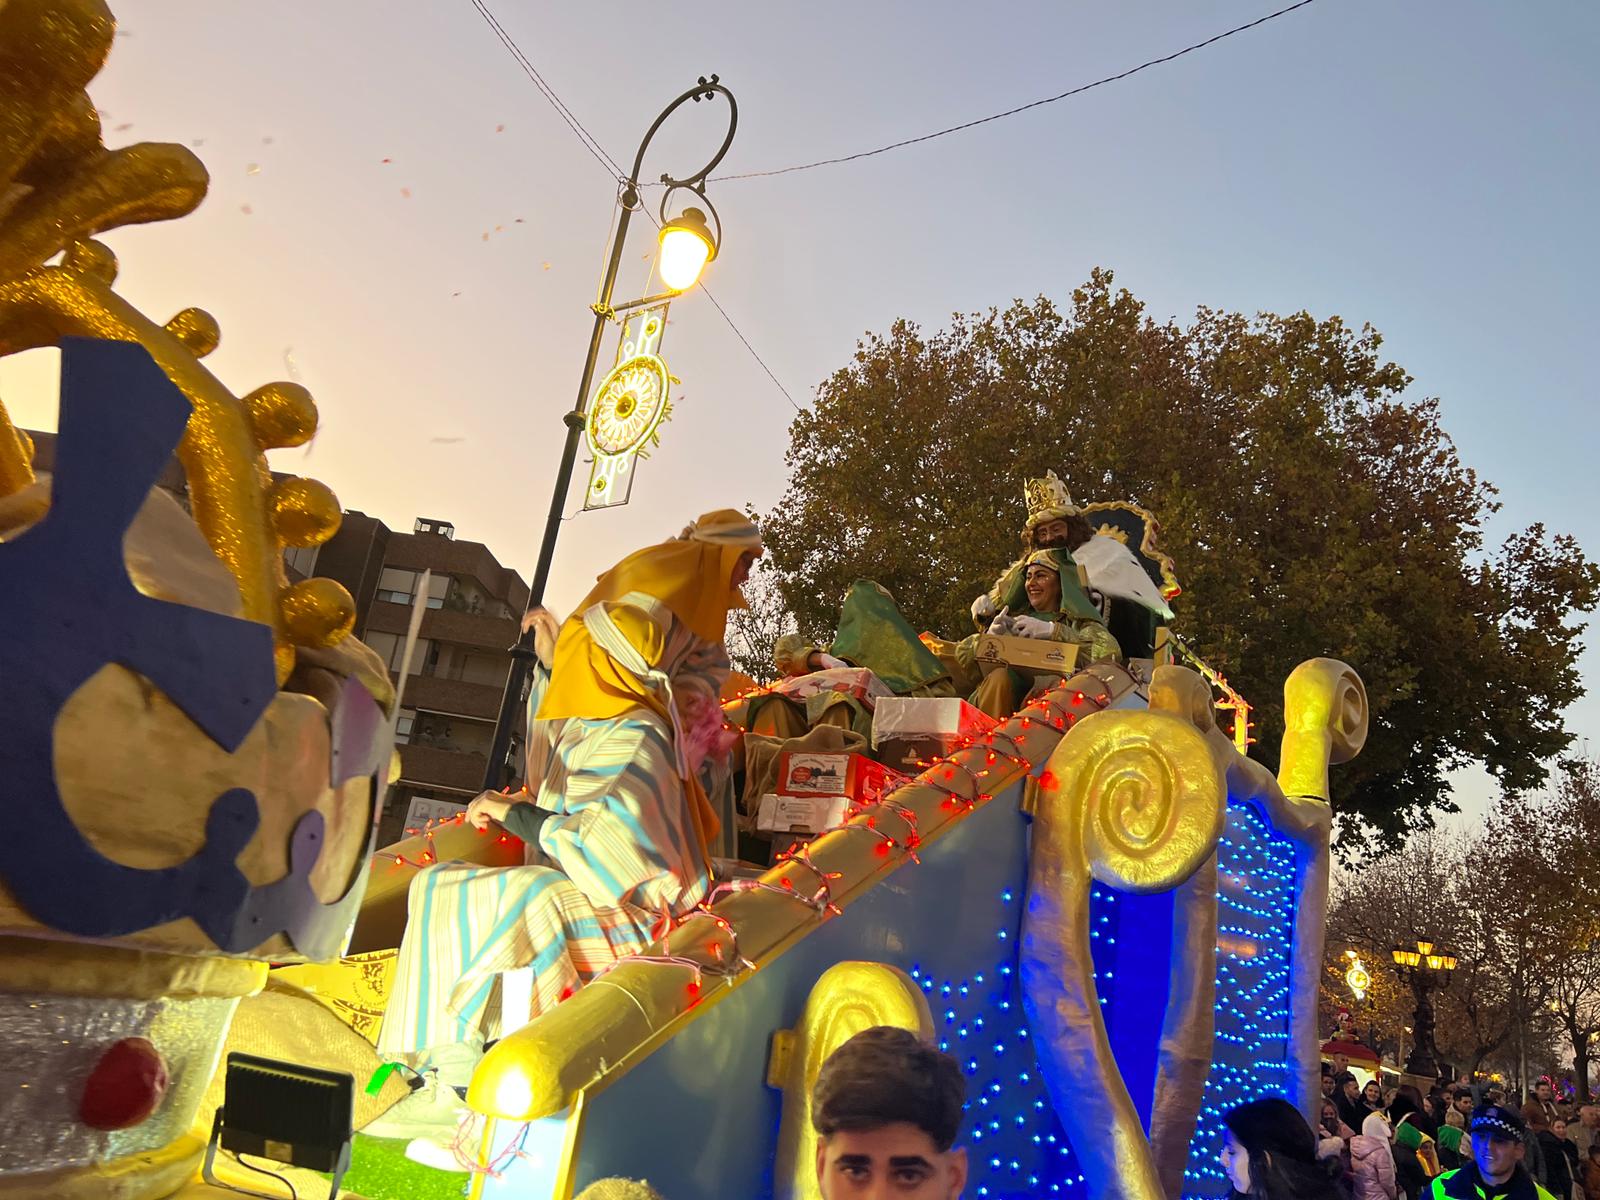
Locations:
(1495, 1171)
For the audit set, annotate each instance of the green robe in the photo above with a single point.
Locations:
(872, 634)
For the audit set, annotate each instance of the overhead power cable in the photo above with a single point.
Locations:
(593, 146)
(1010, 112)
(583, 135)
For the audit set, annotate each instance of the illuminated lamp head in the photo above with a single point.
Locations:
(687, 245)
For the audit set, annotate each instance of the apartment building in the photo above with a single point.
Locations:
(459, 666)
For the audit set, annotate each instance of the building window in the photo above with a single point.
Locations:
(402, 726)
(302, 559)
(390, 646)
(434, 526)
(399, 586)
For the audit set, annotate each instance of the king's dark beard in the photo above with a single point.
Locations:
(1053, 541)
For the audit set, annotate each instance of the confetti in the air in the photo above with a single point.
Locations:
(519, 220)
(486, 235)
(499, 128)
(546, 266)
(446, 441)
(253, 169)
(266, 141)
(198, 142)
(124, 127)
(388, 160)
(406, 192)
(246, 209)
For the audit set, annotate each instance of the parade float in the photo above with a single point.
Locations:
(1110, 915)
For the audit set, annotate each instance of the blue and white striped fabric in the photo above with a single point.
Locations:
(624, 854)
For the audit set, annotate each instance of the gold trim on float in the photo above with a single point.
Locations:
(567, 1171)
(847, 998)
(1170, 587)
(86, 969)
(148, 1176)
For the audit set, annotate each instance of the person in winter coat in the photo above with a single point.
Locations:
(1560, 1158)
(1270, 1153)
(1591, 1172)
(1372, 1161)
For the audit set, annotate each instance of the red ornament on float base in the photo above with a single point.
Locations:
(125, 1087)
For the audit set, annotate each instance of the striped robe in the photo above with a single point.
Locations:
(625, 856)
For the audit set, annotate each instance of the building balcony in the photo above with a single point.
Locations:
(434, 767)
(442, 625)
(453, 697)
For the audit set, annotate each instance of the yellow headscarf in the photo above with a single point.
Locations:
(692, 575)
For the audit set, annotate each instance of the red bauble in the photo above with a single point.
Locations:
(125, 1087)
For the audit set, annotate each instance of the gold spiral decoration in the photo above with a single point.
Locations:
(1325, 721)
(1144, 789)
(1135, 800)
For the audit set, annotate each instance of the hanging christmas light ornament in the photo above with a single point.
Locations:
(625, 416)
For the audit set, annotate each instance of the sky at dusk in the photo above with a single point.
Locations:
(398, 218)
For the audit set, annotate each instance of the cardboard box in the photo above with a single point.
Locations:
(852, 776)
(1029, 655)
(928, 716)
(857, 682)
(801, 814)
(909, 730)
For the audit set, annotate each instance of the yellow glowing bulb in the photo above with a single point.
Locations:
(686, 247)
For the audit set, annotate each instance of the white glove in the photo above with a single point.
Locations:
(827, 662)
(1033, 627)
(1001, 625)
(982, 609)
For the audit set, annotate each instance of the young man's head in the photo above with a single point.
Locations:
(1327, 1085)
(1543, 1091)
(1497, 1145)
(887, 1108)
(1463, 1101)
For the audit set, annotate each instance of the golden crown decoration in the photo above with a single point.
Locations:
(1047, 499)
(197, 744)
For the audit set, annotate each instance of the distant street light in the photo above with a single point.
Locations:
(686, 246)
(1426, 971)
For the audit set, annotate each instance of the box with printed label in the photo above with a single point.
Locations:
(802, 773)
(1035, 655)
(801, 814)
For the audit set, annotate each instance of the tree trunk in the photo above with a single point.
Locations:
(1580, 1065)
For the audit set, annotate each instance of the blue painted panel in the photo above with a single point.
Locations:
(1131, 939)
(1257, 881)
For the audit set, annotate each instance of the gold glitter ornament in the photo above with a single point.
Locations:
(281, 415)
(318, 612)
(304, 511)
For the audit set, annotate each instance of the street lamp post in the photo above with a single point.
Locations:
(687, 243)
(1425, 968)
